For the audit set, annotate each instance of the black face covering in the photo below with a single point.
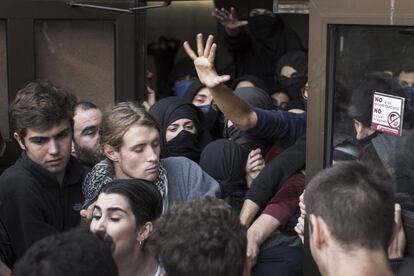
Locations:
(262, 26)
(171, 109)
(211, 116)
(292, 87)
(185, 144)
(225, 161)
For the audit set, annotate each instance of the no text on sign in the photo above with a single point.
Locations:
(387, 113)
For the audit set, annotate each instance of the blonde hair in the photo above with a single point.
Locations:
(118, 119)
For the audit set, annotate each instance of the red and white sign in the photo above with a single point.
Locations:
(387, 113)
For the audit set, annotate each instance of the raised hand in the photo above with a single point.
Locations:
(228, 19)
(204, 61)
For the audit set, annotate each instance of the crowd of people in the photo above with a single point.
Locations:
(210, 178)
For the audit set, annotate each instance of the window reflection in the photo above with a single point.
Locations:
(79, 56)
(369, 59)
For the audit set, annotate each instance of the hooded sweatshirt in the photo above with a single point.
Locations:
(34, 205)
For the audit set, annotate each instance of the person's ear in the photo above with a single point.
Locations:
(111, 153)
(317, 231)
(19, 141)
(145, 231)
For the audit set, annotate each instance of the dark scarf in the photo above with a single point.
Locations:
(255, 97)
(256, 81)
(298, 60)
(225, 161)
(211, 116)
(271, 33)
(170, 109)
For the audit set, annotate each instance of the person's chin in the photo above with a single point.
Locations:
(151, 177)
(57, 166)
(56, 169)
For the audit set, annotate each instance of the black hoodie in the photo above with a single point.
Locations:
(34, 205)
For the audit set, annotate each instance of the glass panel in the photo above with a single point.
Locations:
(79, 56)
(368, 60)
(197, 19)
(4, 116)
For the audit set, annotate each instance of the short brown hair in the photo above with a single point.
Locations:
(41, 105)
(118, 119)
(356, 202)
(203, 237)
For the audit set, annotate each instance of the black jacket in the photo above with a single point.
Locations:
(33, 205)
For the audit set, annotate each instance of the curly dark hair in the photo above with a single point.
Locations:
(203, 237)
(41, 105)
(76, 252)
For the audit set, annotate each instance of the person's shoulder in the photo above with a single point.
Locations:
(16, 172)
(16, 178)
(179, 164)
(177, 161)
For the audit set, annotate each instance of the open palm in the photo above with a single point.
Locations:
(228, 19)
(204, 61)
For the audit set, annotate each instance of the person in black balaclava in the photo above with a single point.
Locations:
(255, 97)
(256, 44)
(182, 132)
(292, 75)
(249, 81)
(198, 95)
(225, 161)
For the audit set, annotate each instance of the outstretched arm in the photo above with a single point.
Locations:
(233, 107)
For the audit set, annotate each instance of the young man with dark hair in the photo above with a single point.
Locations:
(73, 253)
(203, 237)
(351, 214)
(41, 193)
(85, 144)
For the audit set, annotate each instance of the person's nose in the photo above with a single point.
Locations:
(100, 227)
(181, 128)
(153, 155)
(53, 147)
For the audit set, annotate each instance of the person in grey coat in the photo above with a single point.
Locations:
(130, 140)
